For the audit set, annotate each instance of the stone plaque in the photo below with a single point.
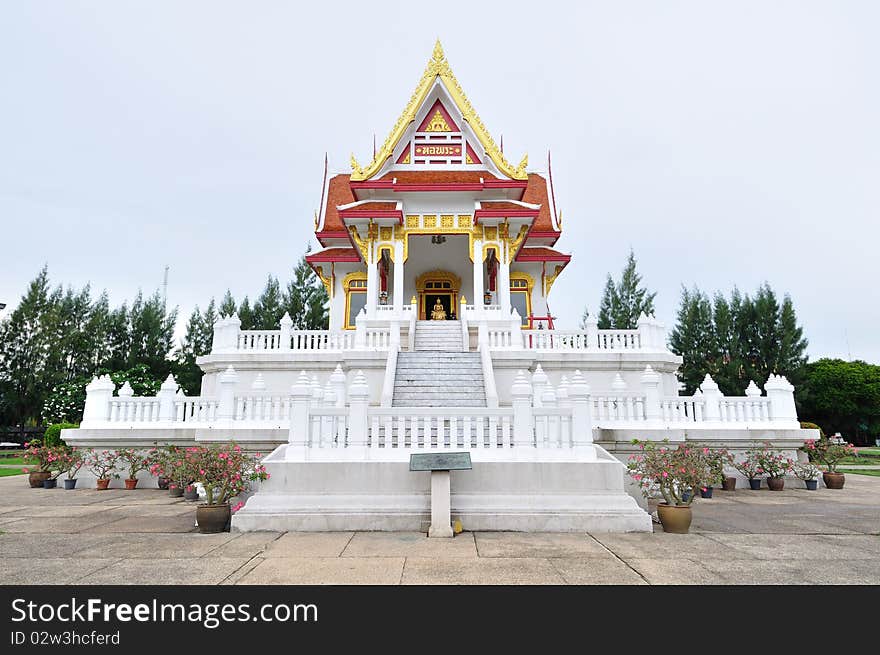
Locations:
(440, 462)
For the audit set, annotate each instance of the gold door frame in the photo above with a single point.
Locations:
(438, 276)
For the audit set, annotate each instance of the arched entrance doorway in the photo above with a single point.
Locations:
(435, 285)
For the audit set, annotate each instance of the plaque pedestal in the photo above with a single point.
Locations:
(441, 519)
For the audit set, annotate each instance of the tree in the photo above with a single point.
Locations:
(196, 342)
(841, 396)
(306, 299)
(227, 305)
(624, 302)
(693, 337)
(151, 334)
(737, 340)
(246, 315)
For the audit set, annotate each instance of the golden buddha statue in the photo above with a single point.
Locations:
(438, 313)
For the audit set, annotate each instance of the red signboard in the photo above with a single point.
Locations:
(438, 150)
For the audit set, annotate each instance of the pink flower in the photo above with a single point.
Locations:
(665, 474)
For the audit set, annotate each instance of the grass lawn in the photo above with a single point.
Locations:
(874, 472)
(15, 460)
(7, 472)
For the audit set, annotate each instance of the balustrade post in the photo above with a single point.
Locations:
(226, 397)
(712, 397)
(301, 397)
(591, 326)
(521, 393)
(337, 379)
(581, 411)
(360, 331)
(651, 386)
(166, 395)
(539, 382)
(781, 394)
(286, 325)
(98, 394)
(359, 398)
(646, 332)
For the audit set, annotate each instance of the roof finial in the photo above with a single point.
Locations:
(438, 55)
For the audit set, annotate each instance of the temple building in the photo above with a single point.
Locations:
(439, 257)
(440, 217)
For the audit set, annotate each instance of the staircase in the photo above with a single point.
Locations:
(437, 373)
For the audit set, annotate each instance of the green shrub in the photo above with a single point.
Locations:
(52, 437)
(805, 425)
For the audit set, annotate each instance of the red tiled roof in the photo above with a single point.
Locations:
(334, 255)
(536, 194)
(541, 254)
(376, 206)
(437, 177)
(338, 193)
(502, 205)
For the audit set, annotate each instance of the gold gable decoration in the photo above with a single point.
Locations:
(438, 123)
(438, 66)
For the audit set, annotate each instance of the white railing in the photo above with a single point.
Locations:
(133, 410)
(377, 338)
(263, 407)
(682, 409)
(198, 410)
(619, 340)
(619, 407)
(554, 340)
(744, 410)
(259, 340)
(321, 340)
(501, 339)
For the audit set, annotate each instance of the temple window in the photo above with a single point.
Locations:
(521, 295)
(355, 297)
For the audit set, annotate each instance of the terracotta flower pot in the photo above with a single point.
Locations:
(131, 483)
(103, 483)
(728, 484)
(833, 480)
(213, 518)
(776, 484)
(36, 478)
(675, 519)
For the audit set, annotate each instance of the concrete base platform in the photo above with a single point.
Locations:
(520, 495)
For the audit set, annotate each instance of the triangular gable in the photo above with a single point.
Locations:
(472, 157)
(438, 120)
(438, 67)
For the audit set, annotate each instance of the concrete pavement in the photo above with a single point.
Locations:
(145, 537)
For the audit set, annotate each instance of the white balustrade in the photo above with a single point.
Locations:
(133, 410)
(501, 339)
(744, 410)
(619, 407)
(259, 340)
(196, 410)
(263, 407)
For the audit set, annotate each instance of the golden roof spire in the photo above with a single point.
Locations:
(439, 67)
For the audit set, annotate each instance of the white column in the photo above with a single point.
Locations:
(591, 326)
(372, 282)
(337, 379)
(712, 397)
(503, 288)
(286, 325)
(359, 398)
(781, 394)
(226, 396)
(398, 277)
(651, 387)
(166, 398)
(301, 396)
(539, 382)
(581, 411)
(98, 394)
(478, 274)
(521, 393)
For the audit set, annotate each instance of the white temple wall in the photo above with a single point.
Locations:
(337, 303)
(451, 256)
(539, 303)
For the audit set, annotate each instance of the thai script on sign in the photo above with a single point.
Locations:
(433, 151)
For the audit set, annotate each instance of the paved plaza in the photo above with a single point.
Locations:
(144, 537)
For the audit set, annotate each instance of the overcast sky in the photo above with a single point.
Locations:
(727, 143)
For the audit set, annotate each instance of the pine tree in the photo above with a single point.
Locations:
(227, 305)
(693, 337)
(306, 300)
(151, 329)
(791, 358)
(246, 314)
(623, 303)
(268, 309)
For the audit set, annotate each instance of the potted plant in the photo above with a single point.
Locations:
(102, 463)
(72, 461)
(190, 493)
(716, 459)
(175, 490)
(225, 471)
(159, 465)
(674, 473)
(750, 468)
(39, 454)
(774, 464)
(830, 451)
(809, 473)
(179, 470)
(135, 462)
